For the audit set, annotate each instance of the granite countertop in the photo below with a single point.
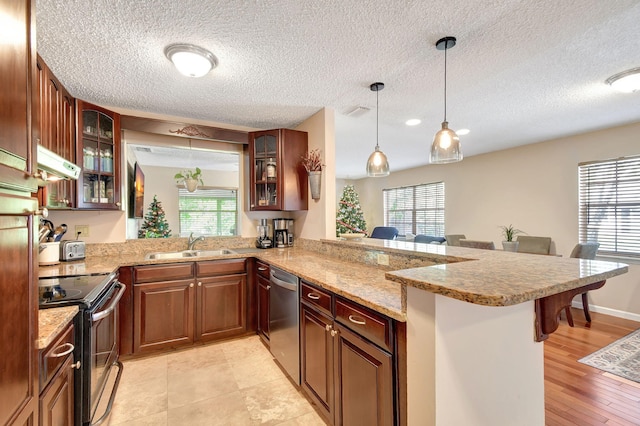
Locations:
(485, 277)
(493, 277)
(51, 322)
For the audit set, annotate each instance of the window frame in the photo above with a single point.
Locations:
(419, 207)
(610, 189)
(182, 192)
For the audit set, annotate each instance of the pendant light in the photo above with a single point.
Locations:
(446, 143)
(377, 164)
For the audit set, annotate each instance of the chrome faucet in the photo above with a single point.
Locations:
(193, 241)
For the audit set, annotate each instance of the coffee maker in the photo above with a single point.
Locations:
(282, 234)
(263, 240)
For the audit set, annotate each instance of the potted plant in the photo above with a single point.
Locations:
(190, 178)
(312, 163)
(508, 232)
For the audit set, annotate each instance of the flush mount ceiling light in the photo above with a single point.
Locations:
(413, 122)
(446, 144)
(626, 81)
(377, 164)
(190, 60)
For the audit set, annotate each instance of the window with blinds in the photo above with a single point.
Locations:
(417, 209)
(208, 211)
(610, 205)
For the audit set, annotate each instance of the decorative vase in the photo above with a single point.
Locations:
(191, 184)
(315, 180)
(510, 246)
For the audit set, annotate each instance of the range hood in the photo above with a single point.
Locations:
(55, 165)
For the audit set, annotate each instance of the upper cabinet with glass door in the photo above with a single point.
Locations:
(278, 179)
(98, 152)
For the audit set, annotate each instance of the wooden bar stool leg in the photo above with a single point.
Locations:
(585, 307)
(567, 311)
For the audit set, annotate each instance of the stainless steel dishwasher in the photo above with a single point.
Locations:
(284, 319)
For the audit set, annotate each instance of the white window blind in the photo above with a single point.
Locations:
(610, 205)
(208, 211)
(417, 209)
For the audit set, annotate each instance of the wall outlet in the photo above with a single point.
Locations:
(83, 229)
(383, 259)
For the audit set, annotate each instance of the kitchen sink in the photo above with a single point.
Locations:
(187, 254)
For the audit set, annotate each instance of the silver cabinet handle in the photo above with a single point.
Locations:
(76, 365)
(62, 350)
(357, 320)
(262, 268)
(328, 327)
(191, 285)
(268, 287)
(118, 204)
(313, 296)
(333, 333)
(199, 284)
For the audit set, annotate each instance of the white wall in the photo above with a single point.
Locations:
(533, 187)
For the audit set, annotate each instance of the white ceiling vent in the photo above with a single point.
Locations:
(357, 111)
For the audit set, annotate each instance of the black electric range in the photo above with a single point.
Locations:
(82, 290)
(96, 342)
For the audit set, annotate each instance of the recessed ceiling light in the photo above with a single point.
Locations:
(413, 122)
(462, 132)
(626, 81)
(191, 60)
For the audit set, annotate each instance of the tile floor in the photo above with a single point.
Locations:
(229, 383)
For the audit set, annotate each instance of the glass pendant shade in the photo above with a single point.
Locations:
(446, 143)
(377, 164)
(446, 146)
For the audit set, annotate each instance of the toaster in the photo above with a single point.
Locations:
(72, 250)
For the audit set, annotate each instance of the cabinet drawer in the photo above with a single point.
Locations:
(212, 268)
(369, 324)
(54, 355)
(316, 297)
(174, 271)
(262, 269)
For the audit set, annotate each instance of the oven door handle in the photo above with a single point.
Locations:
(114, 302)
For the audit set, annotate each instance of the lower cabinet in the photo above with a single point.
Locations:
(179, 304)
(57, 371)
(347, 370)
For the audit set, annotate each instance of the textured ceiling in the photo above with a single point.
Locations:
(523, 71)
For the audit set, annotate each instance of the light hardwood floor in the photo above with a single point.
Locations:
(577, 394)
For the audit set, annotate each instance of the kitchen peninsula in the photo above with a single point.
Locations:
(472, 357)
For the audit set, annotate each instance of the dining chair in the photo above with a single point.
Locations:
(534, 245)
(486, 245)
(454, 239)
(421, 238)
(583, 251)
(384, 233)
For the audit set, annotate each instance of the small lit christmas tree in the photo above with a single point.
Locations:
(349, 218)
(155, 224)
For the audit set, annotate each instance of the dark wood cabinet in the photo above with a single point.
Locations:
(278, 181)
(364, 381)
(57, 370)
(18, 392)
(19, 100)
(348, 376)
(179, 304)
(98, 153)
(316, 363)
(221, 299)
(57, 127)
(262, 278)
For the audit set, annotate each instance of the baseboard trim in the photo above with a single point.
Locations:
(608, 311)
